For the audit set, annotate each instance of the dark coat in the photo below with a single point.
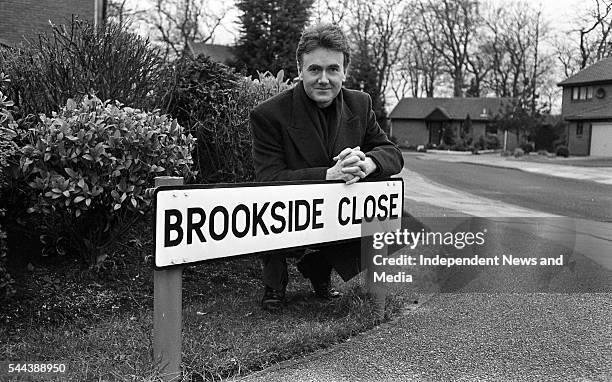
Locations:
(286, 146)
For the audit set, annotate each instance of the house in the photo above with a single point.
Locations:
(422, 121)
(222, 54)
(28, 18)
(587, 107)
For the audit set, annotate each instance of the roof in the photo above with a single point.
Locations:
(601, 71)
(29, 18)
(223, 54)
(601, 111)
(454, 108)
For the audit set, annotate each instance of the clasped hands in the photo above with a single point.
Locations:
(351, 166)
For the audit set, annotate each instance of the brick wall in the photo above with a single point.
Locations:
(409, 133)
(29, 17)
(570, 106)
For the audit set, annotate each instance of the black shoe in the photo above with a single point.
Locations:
(273, 299)
(325, 291)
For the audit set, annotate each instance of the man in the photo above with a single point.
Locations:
(319, 130)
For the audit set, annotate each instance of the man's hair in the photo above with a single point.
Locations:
(328, 36)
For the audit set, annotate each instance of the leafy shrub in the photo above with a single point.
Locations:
(85, 170)
(8, 149)
(199, 98)
(460, 146)
(527, 148)
(442, 146)
(518, 152)
(448, 136)
(562, 151)
(6, 281)
(72, 60)
(214, 103)
(487, 142)
(542, 152)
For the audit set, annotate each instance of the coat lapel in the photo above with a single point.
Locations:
(346, 125)
(304, 136)
(307, 141)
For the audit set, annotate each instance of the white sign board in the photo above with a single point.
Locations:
(197, 223)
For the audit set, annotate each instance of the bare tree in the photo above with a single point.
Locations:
(479, 65)
(421, 66)
(123, 12)
(377, 33)
(454, 24)
(180, 23)
(591, 38)
(595, 33)
(331, 11)
(513, 37)
(566, 55)
(514, 34)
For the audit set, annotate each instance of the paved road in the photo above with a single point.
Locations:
(566, 197)
(557, 167)
(474, 337)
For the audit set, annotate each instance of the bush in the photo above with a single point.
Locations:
(214, 104)
(199, 99)
(518, 152)
(85, 170)
(72, 60)
(542, 152)
(448, 136)
(461, 146)
(527, 148)
(8, 150)
(562, 151)
(6, 281)
(487, 142)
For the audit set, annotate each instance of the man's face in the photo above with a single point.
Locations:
(322, 73)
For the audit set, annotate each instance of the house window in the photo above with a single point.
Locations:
(491, 129)
(579, 129)
(575, 92)
(582, 93)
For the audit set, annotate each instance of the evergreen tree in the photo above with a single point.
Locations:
(270, 32)
(363, 75)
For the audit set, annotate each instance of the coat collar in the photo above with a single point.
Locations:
(306, 139)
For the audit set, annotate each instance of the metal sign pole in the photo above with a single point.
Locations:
(168, 311)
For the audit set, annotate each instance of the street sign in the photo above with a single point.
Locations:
(200, 222)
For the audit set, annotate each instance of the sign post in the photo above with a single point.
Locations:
(167, 311)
